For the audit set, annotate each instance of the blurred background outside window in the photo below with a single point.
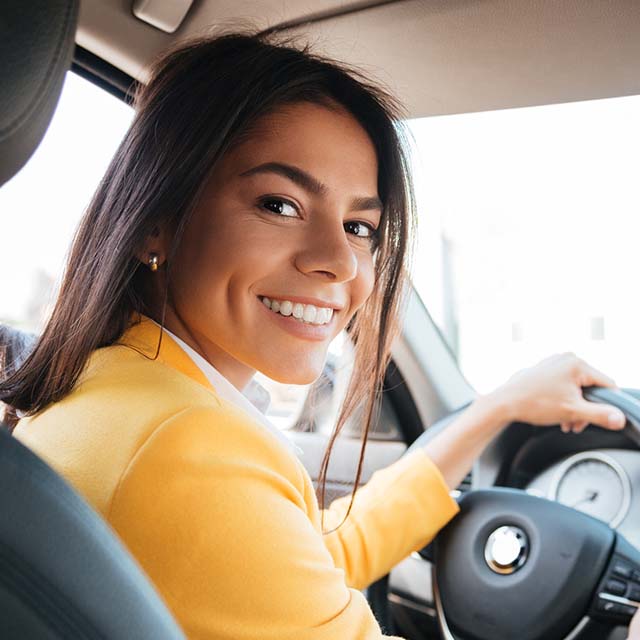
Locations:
(529, 223)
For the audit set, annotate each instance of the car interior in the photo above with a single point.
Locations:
(441, 58)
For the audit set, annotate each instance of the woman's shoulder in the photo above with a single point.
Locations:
(125, 403)
(137, 380)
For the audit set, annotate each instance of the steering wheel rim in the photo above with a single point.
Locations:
(585, 624)
(447, 634)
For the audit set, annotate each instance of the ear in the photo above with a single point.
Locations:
(156, 244)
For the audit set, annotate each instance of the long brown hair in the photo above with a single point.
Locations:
(201, 98)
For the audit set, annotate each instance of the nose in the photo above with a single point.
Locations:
(327, 253)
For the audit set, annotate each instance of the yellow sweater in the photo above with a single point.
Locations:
(219, 513)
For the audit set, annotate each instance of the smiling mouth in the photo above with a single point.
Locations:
(304, 313)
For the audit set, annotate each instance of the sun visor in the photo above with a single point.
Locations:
(163, 15)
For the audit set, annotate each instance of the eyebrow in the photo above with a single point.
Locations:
(311, 184)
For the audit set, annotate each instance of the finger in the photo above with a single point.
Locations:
(593, 376)
(604, 415)
(565, 427)
(579, 427)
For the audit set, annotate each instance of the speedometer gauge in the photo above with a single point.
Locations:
(595, 484)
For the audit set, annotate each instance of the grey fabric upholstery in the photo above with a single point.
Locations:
(36, 45)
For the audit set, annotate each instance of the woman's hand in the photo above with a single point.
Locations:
(551, 393)
(546, 394)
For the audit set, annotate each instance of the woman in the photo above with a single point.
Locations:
(259, 205)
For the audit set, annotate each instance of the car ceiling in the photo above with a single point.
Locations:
(439, 56)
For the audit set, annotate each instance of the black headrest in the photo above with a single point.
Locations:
(36, 45)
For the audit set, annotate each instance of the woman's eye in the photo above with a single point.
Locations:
(280, 207)
(360, 229)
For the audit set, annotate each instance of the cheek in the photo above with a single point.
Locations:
(365, 281)
(362, 286)
(217, 269)
(211, 251)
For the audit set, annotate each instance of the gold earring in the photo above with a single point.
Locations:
(153, 261)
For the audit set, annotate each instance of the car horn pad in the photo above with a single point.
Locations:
(512, 565)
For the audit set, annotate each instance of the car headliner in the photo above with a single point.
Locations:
(438, 56)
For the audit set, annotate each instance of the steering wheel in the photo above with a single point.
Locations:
(515, 566)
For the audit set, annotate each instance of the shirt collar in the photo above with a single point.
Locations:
(254, 400)
(222, 386)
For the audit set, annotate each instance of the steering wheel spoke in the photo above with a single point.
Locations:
(617, 596)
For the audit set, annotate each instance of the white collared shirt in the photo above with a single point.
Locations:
(231, 394)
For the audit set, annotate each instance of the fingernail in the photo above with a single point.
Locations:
(617, 419)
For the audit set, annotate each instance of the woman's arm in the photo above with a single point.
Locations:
(454, 450)
(398, 511)
(403, 506)
(549, 393)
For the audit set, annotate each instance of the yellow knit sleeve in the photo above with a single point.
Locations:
(398, 511)
(214, 512)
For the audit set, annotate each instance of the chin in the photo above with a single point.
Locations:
(294, 374)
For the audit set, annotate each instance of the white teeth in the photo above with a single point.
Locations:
(309, 314)
(304, 312)
(286, 308)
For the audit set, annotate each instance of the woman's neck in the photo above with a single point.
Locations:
(236, 372)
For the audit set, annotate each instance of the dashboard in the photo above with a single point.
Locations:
(599, 483)
(596, 472)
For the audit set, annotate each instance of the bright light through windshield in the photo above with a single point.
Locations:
(529, 229)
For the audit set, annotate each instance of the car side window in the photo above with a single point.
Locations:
(42, 205)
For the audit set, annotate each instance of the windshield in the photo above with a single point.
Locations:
(529, 223)
(528, 226)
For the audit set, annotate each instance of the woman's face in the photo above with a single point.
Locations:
(278, 254)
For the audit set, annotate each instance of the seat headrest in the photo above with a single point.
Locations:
(36, 45)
